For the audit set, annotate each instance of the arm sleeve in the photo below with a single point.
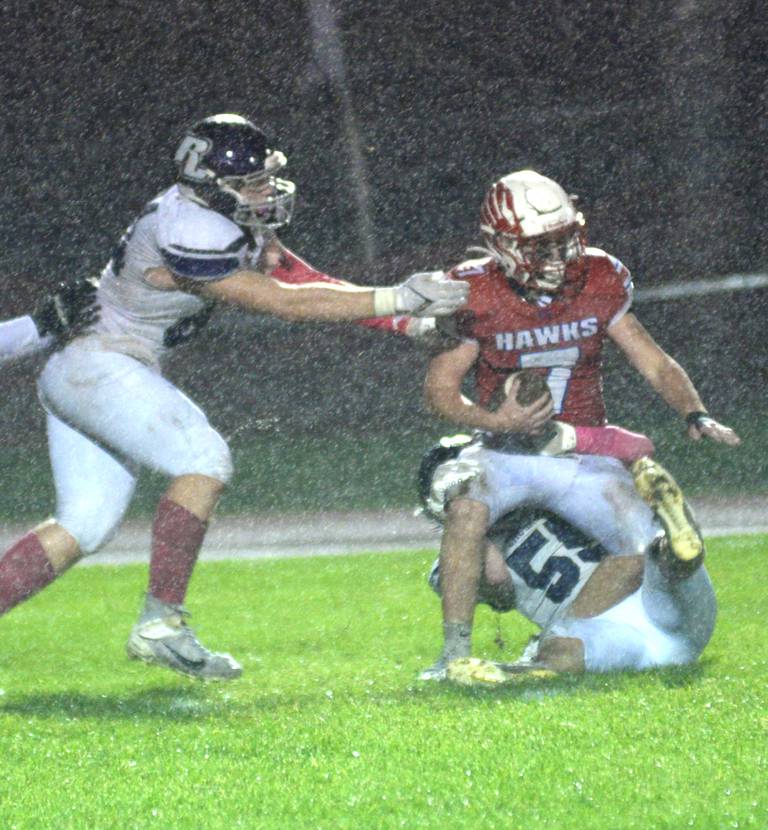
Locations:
(293, 270)
(19, 337)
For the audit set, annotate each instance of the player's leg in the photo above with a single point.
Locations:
(499, 482)
(461, 564)
(679, 599)
(602, 502)
(666, 622)
(28, 565)
(93, 490)
(134, 411)
(676, 592)
(161, 635)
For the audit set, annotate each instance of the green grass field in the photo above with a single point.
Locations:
(328, 727)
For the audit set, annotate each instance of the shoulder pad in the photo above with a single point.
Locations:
(615, 264)
(198, 243)
(184, 224)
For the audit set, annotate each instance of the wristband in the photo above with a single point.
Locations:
(384, 302)
(695, 419)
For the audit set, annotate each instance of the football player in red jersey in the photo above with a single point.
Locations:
(541, 299)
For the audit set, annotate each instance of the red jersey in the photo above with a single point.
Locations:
(563, 338)
(293, 270)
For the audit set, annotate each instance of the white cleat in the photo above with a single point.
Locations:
(168, 641)
(437, 672)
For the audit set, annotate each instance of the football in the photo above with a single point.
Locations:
(532, 386)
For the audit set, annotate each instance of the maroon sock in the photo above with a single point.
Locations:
(24, 570)
(177, 536)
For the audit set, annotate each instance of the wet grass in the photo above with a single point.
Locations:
(328, 727)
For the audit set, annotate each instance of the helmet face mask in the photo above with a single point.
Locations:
(224, 164)
(533, 229)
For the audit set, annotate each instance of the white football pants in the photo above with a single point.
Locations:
(596, 494)
(662, 623)
(108, 416)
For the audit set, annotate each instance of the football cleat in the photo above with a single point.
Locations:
(168, 641)
(437, 672)
(473, 671)
(662, 493)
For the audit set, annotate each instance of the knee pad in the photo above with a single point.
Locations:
(209, 456)
(91, 525)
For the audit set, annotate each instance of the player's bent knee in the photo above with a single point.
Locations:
(90, 531)
(211, 457)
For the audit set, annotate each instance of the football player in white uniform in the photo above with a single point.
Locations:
(110, 411)
(597, 611)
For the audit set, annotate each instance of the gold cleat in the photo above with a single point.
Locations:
(663, 495)
(473, 671)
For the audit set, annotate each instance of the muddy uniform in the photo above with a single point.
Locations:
(661, 623)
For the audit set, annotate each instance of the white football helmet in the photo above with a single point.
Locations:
(532, 227)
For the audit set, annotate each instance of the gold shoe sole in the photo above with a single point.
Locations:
(662, 494)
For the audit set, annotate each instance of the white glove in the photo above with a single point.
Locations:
(425, 294)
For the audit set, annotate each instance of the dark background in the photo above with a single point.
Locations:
(395, 118)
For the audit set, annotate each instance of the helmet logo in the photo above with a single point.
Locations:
(188, 156)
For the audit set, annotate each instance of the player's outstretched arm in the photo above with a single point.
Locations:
(669, 379)
(283, 265)
(423, 294)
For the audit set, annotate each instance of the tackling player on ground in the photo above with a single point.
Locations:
(208, 239)
(596, 612)
(540, 299)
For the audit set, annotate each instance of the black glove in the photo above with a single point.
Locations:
(69, 310)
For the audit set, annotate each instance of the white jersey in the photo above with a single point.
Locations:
(549, 563)
(143, 320)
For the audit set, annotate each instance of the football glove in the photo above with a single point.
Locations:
(69, 310)
(424, 294)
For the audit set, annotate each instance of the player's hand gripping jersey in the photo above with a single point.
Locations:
(562, 337)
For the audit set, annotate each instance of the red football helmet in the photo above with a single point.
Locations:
(533, 229)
